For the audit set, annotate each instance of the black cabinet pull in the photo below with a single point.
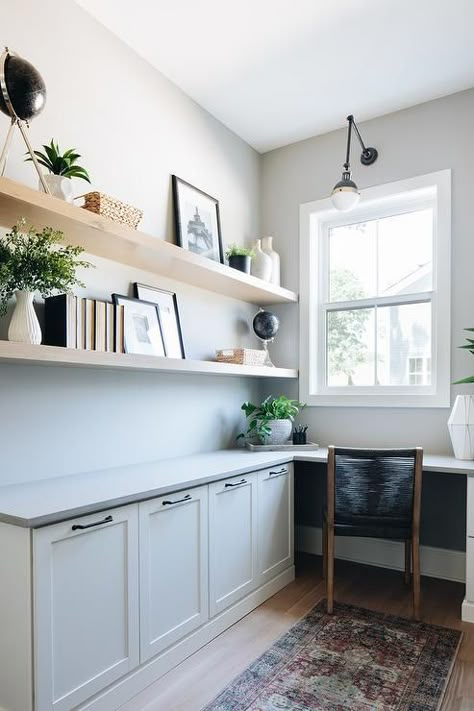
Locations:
(237, 483)
(81, 526)
(178, 501)
(282, 471)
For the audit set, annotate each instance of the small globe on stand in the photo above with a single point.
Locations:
(266, 325)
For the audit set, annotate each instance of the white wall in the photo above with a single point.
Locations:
(133, 128)
(422, 139)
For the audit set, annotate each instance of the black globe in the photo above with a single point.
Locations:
(25, 86)
(266, 325)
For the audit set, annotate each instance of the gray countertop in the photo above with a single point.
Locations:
(47, 501)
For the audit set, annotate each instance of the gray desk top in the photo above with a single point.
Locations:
(47, 501)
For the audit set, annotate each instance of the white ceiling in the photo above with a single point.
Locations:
(276, 71)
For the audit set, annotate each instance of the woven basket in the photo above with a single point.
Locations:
(112, 208)
(241, 356)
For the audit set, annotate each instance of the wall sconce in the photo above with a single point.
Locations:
(345, 194)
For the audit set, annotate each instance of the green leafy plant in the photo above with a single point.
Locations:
(260, 416)
(469, 346)
(34, 261)
(234, 250)
(58, 164)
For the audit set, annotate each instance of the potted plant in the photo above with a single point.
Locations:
(32, 262)
(461, 419)
(62, 167)
(271, 421)
(240, 257)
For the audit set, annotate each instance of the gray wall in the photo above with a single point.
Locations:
(425, 138)
(133, 128)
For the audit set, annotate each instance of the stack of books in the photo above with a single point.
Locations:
(76, 322)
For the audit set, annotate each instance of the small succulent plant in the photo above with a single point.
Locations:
(60, 164)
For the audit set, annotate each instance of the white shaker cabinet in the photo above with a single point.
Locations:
(275, 521)
(232, 540)
(85, 574)
(173, 568)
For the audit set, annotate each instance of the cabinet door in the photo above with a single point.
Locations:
(85, 606)
(275, 521)
(173, 568)
(233, 540)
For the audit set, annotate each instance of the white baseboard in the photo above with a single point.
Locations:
(467, 611)
(434, 562)
(131, 685)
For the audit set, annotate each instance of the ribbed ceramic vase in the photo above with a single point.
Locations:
(281, 431)
(24, 325)
(261, 263)
(267, 247)
(461, 427)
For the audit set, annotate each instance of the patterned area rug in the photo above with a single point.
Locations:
(355, 659)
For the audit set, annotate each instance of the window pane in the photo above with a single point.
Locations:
(352, 265)
(350, 347)
(405, 245)
(404, 344)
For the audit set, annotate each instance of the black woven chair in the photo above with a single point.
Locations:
(374, 493)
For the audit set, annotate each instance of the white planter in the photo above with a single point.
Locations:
(24, 325)
(267, 247)
(261, 263)
(461, 427)
(59, 186)
(281, 431)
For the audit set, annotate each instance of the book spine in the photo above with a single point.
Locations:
(119, 329)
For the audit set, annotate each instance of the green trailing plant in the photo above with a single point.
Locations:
(60, 164)
(234, 250)
(35, 261)
(469, 346)
(260, 416)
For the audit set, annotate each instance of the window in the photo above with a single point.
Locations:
(375, 297)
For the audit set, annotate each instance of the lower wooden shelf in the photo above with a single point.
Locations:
(24, 353)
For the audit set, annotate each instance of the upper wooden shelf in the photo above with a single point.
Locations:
(28, 354)
(104, 238)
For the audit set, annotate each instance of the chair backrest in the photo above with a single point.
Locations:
(374, 485)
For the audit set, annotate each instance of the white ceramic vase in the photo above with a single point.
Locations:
(261, 263)
(24, 325)
(267, 247)
(461, 427)
(281, 431)
(59, 186)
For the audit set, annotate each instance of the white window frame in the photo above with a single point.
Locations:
(379, 201)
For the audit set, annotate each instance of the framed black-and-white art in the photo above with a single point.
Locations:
(141, 326)
(167, 305)
(197, 221)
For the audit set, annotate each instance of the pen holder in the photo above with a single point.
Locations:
(299, 437)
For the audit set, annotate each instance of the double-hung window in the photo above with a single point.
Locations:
(375, 297)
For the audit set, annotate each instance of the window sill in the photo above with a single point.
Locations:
(385, 400)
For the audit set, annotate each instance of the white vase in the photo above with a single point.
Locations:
(461, 427)
(281, 431)
(261, 263)
(59, 186)
(267, 247)
(24, 325)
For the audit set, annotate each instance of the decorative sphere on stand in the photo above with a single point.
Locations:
(266, 325)
(23, 91)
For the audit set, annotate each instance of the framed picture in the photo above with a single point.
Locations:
(196, 215)
(167, 305)
(141, 326)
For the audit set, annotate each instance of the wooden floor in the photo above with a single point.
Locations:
(198, 679)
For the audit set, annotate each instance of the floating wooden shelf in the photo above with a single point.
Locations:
(104, 238)
(23, 353)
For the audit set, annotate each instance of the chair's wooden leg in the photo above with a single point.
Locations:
(325, 549)
(416, 578)
(330, 570)
(407, 561)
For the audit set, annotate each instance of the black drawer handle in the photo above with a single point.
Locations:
(237, 483)
(188, 497)
(282, 471)
(81, 526)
